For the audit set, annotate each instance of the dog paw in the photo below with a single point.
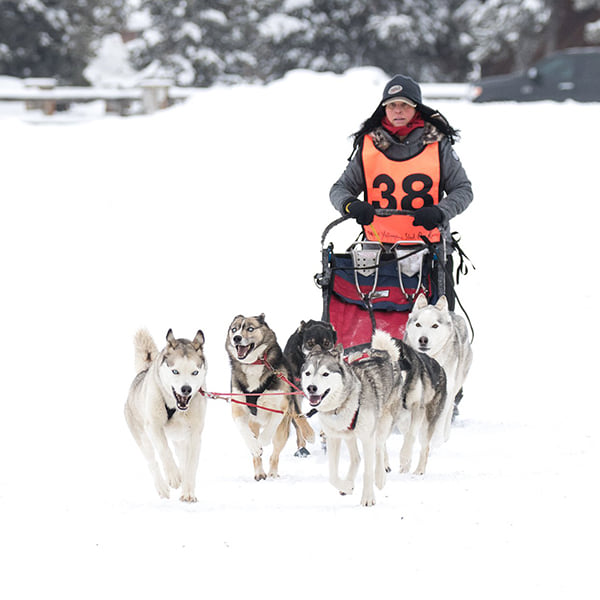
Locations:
(162, 488)
(345, 488)
(260, 476)
(302, 453)
(174, 478)
(367, 501)
(188, 498)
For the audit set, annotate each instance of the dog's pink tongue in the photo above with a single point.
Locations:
(242, 351)
(314, 400)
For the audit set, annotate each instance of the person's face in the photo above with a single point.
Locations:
(399, 113)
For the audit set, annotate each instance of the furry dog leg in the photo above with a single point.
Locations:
(368, 495)
(280, 438)
(145, 445)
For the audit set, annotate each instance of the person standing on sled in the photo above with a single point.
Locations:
(403, 159)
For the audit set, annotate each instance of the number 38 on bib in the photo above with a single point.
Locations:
(400, 185)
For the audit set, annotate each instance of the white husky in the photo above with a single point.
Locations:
(443, 335)
(165, 404)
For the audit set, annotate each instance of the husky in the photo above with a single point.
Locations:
(443, 335)
(416, 408)
(260, 373)
(308, 335)
(166, 403)
(350, 394)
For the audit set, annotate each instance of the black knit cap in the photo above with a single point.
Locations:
(402, 88)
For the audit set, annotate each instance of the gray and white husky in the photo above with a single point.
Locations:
(418, 405)
(258, 378)
(166, 405)
(443, 335)
(364, 395)
(350, 395)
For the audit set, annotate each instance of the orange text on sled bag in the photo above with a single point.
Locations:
(400, 185)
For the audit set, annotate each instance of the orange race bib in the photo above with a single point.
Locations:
(400, 185)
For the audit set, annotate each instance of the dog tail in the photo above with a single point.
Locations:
(382, 340)
(145, 350)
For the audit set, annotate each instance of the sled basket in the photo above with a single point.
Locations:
(374, 285)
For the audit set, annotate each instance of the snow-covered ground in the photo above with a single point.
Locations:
(214, 208)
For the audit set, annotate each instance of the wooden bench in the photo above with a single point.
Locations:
(42, 94)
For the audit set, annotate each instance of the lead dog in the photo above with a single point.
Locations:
(256, 363)
(443, 335)
(351, 395)
(165, 404)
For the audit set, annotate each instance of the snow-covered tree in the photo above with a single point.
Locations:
(53, 38)
(198, 42)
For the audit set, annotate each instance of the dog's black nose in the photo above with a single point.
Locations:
(186, 390)
(423, 340)
(237, 339)
(311, 389)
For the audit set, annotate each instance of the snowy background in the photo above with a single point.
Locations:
(216, 207)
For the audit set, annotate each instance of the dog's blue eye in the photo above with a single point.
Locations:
(250, 329)
(195, 373)
(233, 329)
(175, 372)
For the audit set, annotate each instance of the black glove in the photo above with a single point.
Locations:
(363, 212)
(428, 216)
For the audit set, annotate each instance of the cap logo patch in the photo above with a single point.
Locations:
(395, 89)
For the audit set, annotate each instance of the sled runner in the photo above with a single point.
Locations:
(374, 285)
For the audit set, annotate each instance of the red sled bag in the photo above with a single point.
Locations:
(374, 286)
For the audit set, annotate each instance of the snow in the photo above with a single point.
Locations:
(191, 216)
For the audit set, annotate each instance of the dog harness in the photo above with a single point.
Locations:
(400, 185)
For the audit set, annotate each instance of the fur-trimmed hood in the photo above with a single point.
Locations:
(383, 139)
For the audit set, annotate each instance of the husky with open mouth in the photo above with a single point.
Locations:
(260, 378)
(352, 394)
(166, 404)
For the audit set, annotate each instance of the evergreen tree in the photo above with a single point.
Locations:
(199, 42)
(53, 38)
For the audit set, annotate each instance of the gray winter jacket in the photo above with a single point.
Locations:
(456, 189)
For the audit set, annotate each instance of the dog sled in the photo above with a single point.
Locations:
(374, 285)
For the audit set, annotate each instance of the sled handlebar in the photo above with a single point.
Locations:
(379, 212)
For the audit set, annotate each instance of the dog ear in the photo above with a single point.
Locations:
(420, 302)
(442, 303)
(171, 338)
(261, 318)
(198, 340)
